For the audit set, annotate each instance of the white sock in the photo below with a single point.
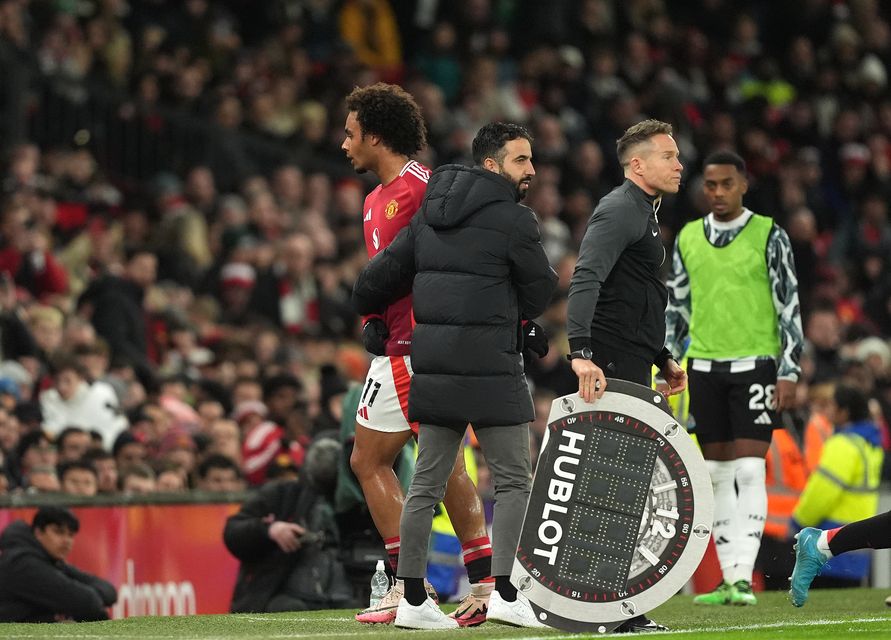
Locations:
(723, 475)
(751, 512)
(823, 544)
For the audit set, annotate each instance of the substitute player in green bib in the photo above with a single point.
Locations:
(733, 289)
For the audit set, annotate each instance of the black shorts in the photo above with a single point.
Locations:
(729, 406)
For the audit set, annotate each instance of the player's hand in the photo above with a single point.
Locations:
(785, 395)
(674, 376)
(535, 339)
(374, 336)
(592, 382)
(286, 535)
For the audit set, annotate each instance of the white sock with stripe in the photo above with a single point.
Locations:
(751, 512)
(723, 474)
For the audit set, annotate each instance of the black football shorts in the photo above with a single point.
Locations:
(729, 406)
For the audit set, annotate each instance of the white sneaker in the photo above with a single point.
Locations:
(424, 616)
(518, 613)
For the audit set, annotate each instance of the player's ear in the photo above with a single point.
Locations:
(489, 164)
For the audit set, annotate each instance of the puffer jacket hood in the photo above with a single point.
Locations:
(19, 536)
(455, 192)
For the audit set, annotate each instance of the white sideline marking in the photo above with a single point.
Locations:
(570, 636)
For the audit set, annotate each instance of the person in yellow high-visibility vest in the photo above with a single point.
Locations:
(845, 486)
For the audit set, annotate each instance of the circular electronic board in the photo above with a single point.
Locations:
(620, 511)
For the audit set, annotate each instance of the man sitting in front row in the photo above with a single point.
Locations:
(36, 584)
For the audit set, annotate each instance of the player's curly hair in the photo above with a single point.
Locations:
(391, 113)
(637, 134)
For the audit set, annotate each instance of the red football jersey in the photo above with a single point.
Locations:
(387, 209)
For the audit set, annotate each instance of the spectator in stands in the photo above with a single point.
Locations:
(262, 440)
(289, 561)
(45, 324)
(282, 468)
(129, 449)
(138, 478)
(9, 440)
(37, 584)
(246, 389)
(26, 257)
(37, 458)
(78, 478)
(219, 473)
(72, 443)
(16, 340)
(172, 479)
(74, 401)
(225, 439)
(115, 306)
(178, 449)
(106, 469)
(281, 394)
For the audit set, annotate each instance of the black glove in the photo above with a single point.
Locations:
(374, 336)
(534, 339)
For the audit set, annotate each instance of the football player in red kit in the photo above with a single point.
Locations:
(384, 128)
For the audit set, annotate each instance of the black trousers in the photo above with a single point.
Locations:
(617, 362)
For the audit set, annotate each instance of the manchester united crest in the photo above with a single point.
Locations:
(392, 209)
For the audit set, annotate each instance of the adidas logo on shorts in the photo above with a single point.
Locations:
(764, 418)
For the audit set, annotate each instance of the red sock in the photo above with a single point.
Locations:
(477, 556)
(392, 547)
(830, 534)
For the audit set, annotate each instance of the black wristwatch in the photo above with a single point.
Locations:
(584, 352)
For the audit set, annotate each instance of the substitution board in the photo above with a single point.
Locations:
(620, 511)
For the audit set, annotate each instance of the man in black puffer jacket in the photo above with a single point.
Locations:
(36, 582)
(478, 275)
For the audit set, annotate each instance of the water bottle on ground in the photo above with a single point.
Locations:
(380, 584)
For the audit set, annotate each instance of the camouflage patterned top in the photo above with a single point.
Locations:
(784, 289)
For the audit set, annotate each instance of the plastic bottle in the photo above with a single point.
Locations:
(380, 584)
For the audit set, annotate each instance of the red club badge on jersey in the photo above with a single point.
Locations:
(392, 209)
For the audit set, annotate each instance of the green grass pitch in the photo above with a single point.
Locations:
(830, 614)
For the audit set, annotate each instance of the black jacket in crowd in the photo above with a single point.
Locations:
(114, 306)
(34, 587)
(270, 579)
(615, 294)
(473, 258)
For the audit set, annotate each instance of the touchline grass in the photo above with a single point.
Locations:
(830, 614)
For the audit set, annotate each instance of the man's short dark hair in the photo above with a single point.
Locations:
(95, 454)
(65, 361)
(391, 113)
(280, 381)
(217, 461)
(73, 465)
(853, 401)
(638, 133)
(67, 431)
(60, 516)
(32, 439)
(726, 157)
(491, 138)
(133, 252)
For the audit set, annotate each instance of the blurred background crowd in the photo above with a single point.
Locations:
(180, 231)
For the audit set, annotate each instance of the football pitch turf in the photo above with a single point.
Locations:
(829, 614)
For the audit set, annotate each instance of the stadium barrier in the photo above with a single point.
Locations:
(165, 556)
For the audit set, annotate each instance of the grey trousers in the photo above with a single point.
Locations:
(506, 450)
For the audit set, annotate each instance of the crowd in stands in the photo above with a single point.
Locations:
(192, 329)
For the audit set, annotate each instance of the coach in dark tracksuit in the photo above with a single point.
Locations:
(478, 269)
(616, 312)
